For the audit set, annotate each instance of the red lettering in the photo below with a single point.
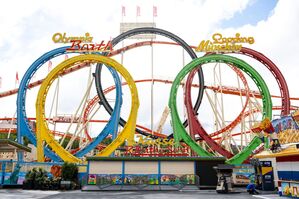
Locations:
(92, 47)
(85, 47)
(75, 45)
(108, 47)
(100, 46)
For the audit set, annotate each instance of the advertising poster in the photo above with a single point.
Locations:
(21, 178)
(141, 179)
(116, 179)
(284, 123)
(290, 189)
(243, 174)
(294, 189)
(7, 178)
(168, 179)
(92, 179)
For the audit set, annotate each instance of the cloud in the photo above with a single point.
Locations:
(28, 30)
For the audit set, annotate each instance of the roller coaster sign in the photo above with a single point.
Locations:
(82, 43)
(159, 147)
(223, 44)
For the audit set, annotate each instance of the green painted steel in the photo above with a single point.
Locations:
(180, 133)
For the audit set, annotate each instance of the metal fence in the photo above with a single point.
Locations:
(139, 181)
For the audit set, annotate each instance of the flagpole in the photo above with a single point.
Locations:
(152, 84)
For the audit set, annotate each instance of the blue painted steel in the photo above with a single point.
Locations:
(3, 168)
(159, 171)
(87, 168)
(123, 171)
(112, 125)
(23, 127)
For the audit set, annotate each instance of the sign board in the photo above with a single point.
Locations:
(284, 123)
(243, 174)
(220, 43)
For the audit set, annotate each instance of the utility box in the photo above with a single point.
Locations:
(267, 176)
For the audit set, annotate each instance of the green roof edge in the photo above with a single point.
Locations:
(16, 144)
(95, 158)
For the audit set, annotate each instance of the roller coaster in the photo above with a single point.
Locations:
(121, 132)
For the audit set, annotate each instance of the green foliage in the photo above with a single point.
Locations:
(12, 136)
(38, 179)
(41, 175)
(107, 141)
(36, 175)
(66, 141)
(69, 171)
(26, 141)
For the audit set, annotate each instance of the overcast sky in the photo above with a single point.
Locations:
(27, 28)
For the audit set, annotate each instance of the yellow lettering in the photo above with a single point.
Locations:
(238, 47)
(250, 40)
(57, 37)
(62, 38)
(202, 46)
(217, 37)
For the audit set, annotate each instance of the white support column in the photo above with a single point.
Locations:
(152, 89)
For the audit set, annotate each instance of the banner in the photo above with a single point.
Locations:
(290, 189)
(284, 123)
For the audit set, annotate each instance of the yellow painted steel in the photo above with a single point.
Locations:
(42, 130)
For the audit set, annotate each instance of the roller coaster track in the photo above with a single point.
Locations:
(194, 125)
(43, 133)
(57, 133)
(229, 90)
(179, 130)
(156, 31)
(223, 89)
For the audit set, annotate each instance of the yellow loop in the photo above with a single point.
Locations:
(42, 131)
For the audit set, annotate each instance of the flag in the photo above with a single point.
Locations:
(49, 66)
(66, 57)
(138, 11)
(155, 14)
(123, 11)
(17, 78)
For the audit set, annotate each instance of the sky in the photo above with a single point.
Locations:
(27, 28)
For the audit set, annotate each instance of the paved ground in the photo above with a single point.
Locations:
(205, 194)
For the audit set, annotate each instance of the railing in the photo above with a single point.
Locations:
(140, 181)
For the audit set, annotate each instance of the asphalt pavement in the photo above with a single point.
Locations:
(204, 194)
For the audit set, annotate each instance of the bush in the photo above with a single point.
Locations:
(36, 179)
(69, 172)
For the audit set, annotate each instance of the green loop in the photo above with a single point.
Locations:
(180, 132)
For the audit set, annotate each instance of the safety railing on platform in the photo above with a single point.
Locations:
(140, 181)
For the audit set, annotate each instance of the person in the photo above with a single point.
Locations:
(251, 189)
